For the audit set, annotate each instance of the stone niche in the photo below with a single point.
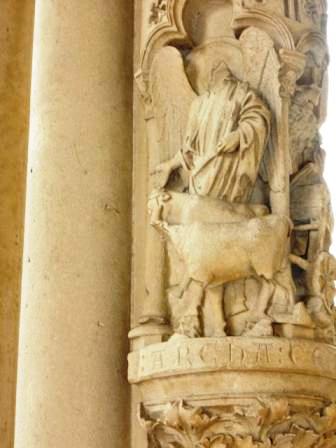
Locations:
(233, 319)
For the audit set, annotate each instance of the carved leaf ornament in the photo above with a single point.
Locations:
(273, 425)
(158, 11)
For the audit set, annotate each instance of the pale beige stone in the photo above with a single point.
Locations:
(232, 313)
(238, 276)
(234, 131)
(72, 386)
(232, 377)
(274, 423)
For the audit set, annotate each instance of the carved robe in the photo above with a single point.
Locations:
(213, 115)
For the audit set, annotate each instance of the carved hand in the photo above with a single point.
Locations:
(230, 144)
(162, 173)
(164, 170)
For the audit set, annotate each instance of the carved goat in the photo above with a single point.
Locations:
(217, 253)
(181, 208)
(222, 242)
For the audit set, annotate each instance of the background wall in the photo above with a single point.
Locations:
(16, 30)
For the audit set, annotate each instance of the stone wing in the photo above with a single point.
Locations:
(172, 96)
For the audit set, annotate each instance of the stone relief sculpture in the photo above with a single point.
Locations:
(220, 136)
(223, 144)
(239, 219)
(220, 145)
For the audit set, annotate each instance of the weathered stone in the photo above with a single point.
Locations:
(234, 255)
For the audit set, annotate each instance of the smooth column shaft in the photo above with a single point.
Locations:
(72, 386)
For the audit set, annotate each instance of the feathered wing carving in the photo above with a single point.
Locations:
(172, 96)
(261, 71)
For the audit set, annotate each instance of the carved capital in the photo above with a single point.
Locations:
(273, 424)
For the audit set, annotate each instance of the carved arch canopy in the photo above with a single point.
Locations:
(176, 25)
(178, 29)
(181, 26)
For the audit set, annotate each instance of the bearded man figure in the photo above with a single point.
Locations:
(227, 132)
(225, 139)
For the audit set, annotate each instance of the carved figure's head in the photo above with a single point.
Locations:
(207, 20)
(207, 69)
(219, 73)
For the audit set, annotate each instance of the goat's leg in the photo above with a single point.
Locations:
(213, 309)
(190, 323)
(184, 285)
(265, 294)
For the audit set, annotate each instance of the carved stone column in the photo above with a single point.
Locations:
(234, 91)
(72, 387)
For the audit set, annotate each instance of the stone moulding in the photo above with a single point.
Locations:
(232, 354)
(235, 370)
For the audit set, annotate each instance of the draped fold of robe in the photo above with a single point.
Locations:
(213, 116)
